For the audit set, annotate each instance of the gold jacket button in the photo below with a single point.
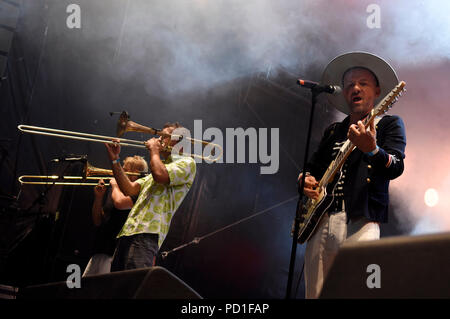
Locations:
(368, 180)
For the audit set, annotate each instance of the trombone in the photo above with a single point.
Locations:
(59, 180)
(91, 176)
(124, 125)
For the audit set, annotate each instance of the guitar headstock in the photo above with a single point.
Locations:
(384, 105)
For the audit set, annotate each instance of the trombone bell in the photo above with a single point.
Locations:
(125, 125)
(90, 170)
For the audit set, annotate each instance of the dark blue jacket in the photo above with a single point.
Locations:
(367, 178)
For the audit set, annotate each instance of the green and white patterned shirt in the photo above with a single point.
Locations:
(157, 203)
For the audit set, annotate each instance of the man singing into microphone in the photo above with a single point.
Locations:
(159, 196)
(361, 194)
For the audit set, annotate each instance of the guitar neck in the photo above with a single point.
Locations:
(341, 157)
(336, 164)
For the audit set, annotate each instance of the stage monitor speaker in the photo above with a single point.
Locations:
(145, 283)
(393, 267)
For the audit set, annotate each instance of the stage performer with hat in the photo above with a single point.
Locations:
(361, 194)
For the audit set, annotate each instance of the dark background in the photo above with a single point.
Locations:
(228, 64)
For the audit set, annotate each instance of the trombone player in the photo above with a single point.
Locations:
(109, 214)
(158, 197)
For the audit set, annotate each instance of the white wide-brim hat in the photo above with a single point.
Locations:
(334, 72)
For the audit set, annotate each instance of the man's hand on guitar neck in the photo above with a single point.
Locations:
(310, 188)
(363, 139)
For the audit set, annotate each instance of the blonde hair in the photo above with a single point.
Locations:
(137, 163)
(174, 125)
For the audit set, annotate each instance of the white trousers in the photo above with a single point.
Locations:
(98, 264)
(323, 246)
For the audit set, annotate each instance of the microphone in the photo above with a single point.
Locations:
(71, 158)
(331, 89)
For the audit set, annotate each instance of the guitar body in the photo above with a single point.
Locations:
(314, 210)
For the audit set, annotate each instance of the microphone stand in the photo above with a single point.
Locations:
(300, 206)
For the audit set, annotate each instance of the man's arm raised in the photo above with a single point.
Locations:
(157, 167)
(127, 187)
